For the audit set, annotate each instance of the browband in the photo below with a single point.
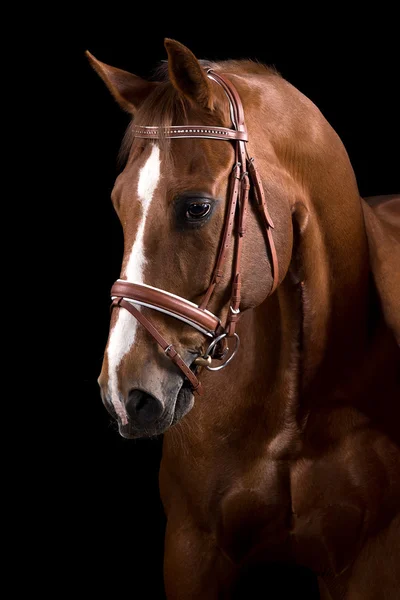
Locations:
(189, 131)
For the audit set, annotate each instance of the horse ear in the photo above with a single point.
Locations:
(384, 253)
(128, 90)
(187, 75)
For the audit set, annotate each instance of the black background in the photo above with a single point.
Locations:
(105, 496)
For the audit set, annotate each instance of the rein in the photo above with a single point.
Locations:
(244, 175)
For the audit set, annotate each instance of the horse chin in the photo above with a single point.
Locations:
(183, 404)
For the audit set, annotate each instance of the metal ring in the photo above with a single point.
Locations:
(214, 342)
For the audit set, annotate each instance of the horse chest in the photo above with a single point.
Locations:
(257, 517)
(254, 511)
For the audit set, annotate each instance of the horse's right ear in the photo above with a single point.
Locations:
(128, 90)
(187, 75)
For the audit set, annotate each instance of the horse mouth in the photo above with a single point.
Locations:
(171, 416)
(184, 402)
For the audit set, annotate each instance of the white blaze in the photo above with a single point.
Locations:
(123, 335)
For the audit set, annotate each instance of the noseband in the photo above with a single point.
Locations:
(244, 174)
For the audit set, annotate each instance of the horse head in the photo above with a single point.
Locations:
(171, 199)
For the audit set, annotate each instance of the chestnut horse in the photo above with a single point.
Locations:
(291, 454)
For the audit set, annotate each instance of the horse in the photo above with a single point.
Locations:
(242, 221)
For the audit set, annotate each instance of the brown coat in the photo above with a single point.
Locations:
(292, 454)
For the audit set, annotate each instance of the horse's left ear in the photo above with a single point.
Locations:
(384, 253)
(187, 75)
(128, 90)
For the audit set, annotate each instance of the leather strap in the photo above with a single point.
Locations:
(235, 100)
(169, 303)
(188, 131)
(233, 96)
(168, 348)
(262, 206)
(259, 191)
(237, 115)
(226, 235)
(234, 308)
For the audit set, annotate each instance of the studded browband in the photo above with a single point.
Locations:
(189, 131)
(127, 294)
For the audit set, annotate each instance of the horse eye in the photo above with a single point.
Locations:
(198, 210)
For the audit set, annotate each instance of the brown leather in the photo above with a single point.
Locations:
(163, 300)
(233, 95)
(234, 315)
(226, 235)
(239, 191)
(262, 205)
(168, 348)
(241, 163)
(274, 263)
(189, 131)
(259, 191)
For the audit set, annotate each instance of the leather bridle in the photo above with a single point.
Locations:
(128, 294)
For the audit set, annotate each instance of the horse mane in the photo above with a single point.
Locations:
(174, 106)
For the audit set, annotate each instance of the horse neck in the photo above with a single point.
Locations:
(307, 338)
(331, 263)
(307, 334)
(330, 256)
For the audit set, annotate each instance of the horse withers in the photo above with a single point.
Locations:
(242, 220)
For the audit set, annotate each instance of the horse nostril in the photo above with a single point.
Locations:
(143, 408)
